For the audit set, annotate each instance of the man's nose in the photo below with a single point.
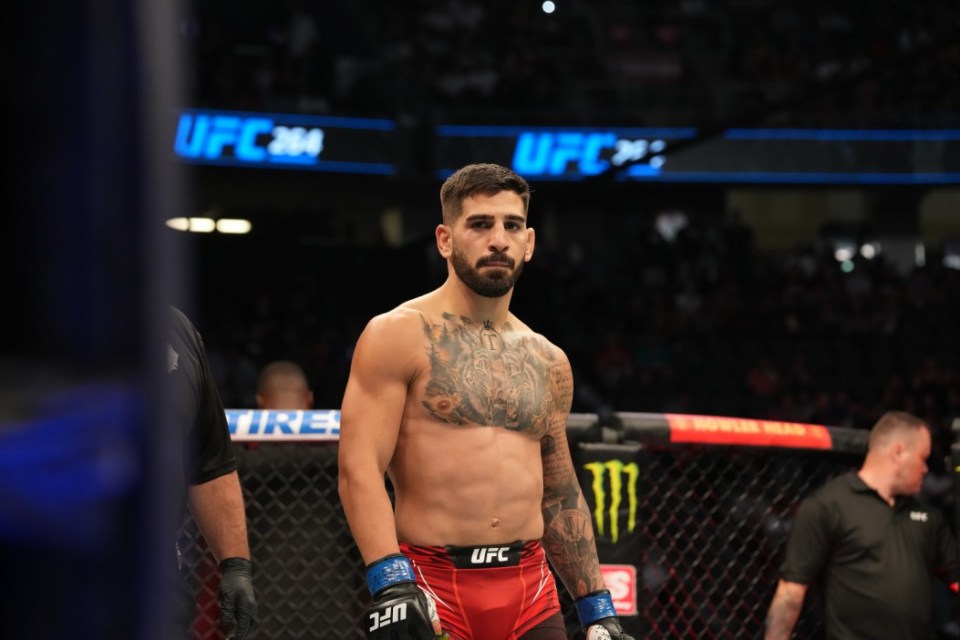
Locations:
(498, 238)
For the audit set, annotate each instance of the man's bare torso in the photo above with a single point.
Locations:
(467, 468)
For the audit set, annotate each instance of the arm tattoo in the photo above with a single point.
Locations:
(569, 541)
(568, 535)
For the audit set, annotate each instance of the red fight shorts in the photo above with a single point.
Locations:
(487, 593)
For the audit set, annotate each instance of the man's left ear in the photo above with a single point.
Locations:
(531, 240)
(442, 233)
(898, 449)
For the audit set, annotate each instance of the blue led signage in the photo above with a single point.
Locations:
(351, 145)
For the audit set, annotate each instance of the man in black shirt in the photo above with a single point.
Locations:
(209, 472)
(871, 543)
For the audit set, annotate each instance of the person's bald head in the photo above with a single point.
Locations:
(283, 385)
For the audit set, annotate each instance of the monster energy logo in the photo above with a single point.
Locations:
(602, 512)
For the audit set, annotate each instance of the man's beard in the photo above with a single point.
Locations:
(494, 283)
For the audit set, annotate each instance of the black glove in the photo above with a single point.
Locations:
(599, 617)
(403, 611)
(400, 610)
(238, 606)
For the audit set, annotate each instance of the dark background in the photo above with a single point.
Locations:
(744, 312)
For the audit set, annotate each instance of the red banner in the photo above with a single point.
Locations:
(742, 431)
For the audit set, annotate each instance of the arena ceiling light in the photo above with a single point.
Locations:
(209, 225)
(233, 225)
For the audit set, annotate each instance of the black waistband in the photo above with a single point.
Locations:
(501, 555)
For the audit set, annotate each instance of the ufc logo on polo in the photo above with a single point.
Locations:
(918, 516)
(489, 554)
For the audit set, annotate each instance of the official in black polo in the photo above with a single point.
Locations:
(871, 543)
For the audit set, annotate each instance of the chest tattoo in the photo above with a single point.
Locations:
(479, 375)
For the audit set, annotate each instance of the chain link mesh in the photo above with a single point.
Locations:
(307, 570)
(711, 524)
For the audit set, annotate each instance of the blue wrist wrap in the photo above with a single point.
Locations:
(595, 607)
(388, 571)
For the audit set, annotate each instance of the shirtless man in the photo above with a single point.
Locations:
(465, 408)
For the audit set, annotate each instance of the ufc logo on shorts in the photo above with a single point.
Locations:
(918, 516)
(488, 555)
(388, 616)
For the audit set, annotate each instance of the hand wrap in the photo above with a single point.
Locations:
(400, 610)
(599, 618)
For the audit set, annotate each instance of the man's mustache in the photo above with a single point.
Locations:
(498, 261)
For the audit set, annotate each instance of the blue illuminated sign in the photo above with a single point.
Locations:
(648, 154)
(541, 153)
(353, 145)
(771, 156)
(564, 153)
(253, 139)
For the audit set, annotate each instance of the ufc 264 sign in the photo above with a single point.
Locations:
(613, 482)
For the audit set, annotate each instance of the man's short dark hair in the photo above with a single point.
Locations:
(479, 179)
